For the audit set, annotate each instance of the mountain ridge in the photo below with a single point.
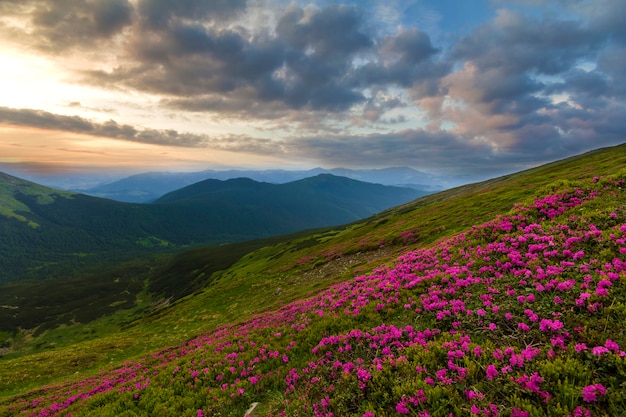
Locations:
(149, 186)
(85, 225)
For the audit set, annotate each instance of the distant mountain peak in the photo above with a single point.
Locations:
(147, 187)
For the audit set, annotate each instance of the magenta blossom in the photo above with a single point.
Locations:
(590, 392)
(492, 372)
(599, 350)
(401, 408)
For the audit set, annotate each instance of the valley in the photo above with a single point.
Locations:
(45, 231)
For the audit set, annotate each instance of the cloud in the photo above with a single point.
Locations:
(541, 78)
(603, 15)
(408, 60)
(513, 70)
(431, 151)
(582, 83)
(157, 13)
(329, 33)
(113, 130)
(65, 24)
(517, 42)
(308, 62)
(411, 45)
(33, 168)
(409, 147)
(110, 129)
(305, 62)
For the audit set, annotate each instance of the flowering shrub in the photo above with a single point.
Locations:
(524, 315)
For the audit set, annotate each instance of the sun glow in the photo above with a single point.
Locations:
(25, 79)
(29, 81)
(63, 150)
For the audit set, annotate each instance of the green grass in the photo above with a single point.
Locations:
(11, 207)
(230, 284)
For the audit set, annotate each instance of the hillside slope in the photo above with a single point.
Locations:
(41, 227)
(522, 314)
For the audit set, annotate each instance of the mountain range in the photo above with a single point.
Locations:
(149, 186)
(41, 226)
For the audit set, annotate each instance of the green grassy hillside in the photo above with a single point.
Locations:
(523, 313)
(11, 207)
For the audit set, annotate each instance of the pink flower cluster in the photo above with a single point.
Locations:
(590, 392)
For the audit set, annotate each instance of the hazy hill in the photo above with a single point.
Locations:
(148, 187)
(41, 226)
(324, 199)
(506, 297)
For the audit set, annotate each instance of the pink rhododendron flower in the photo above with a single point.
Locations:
(491, 371)
(581, 412)
(478, 351)
(602, 292)
(590, 392)
(599, 350)
(401, 408)
(611, 345)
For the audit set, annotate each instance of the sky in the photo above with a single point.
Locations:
(473, 88)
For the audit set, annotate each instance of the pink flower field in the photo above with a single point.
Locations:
(522, 316)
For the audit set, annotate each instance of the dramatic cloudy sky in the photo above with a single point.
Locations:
(471, 87)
